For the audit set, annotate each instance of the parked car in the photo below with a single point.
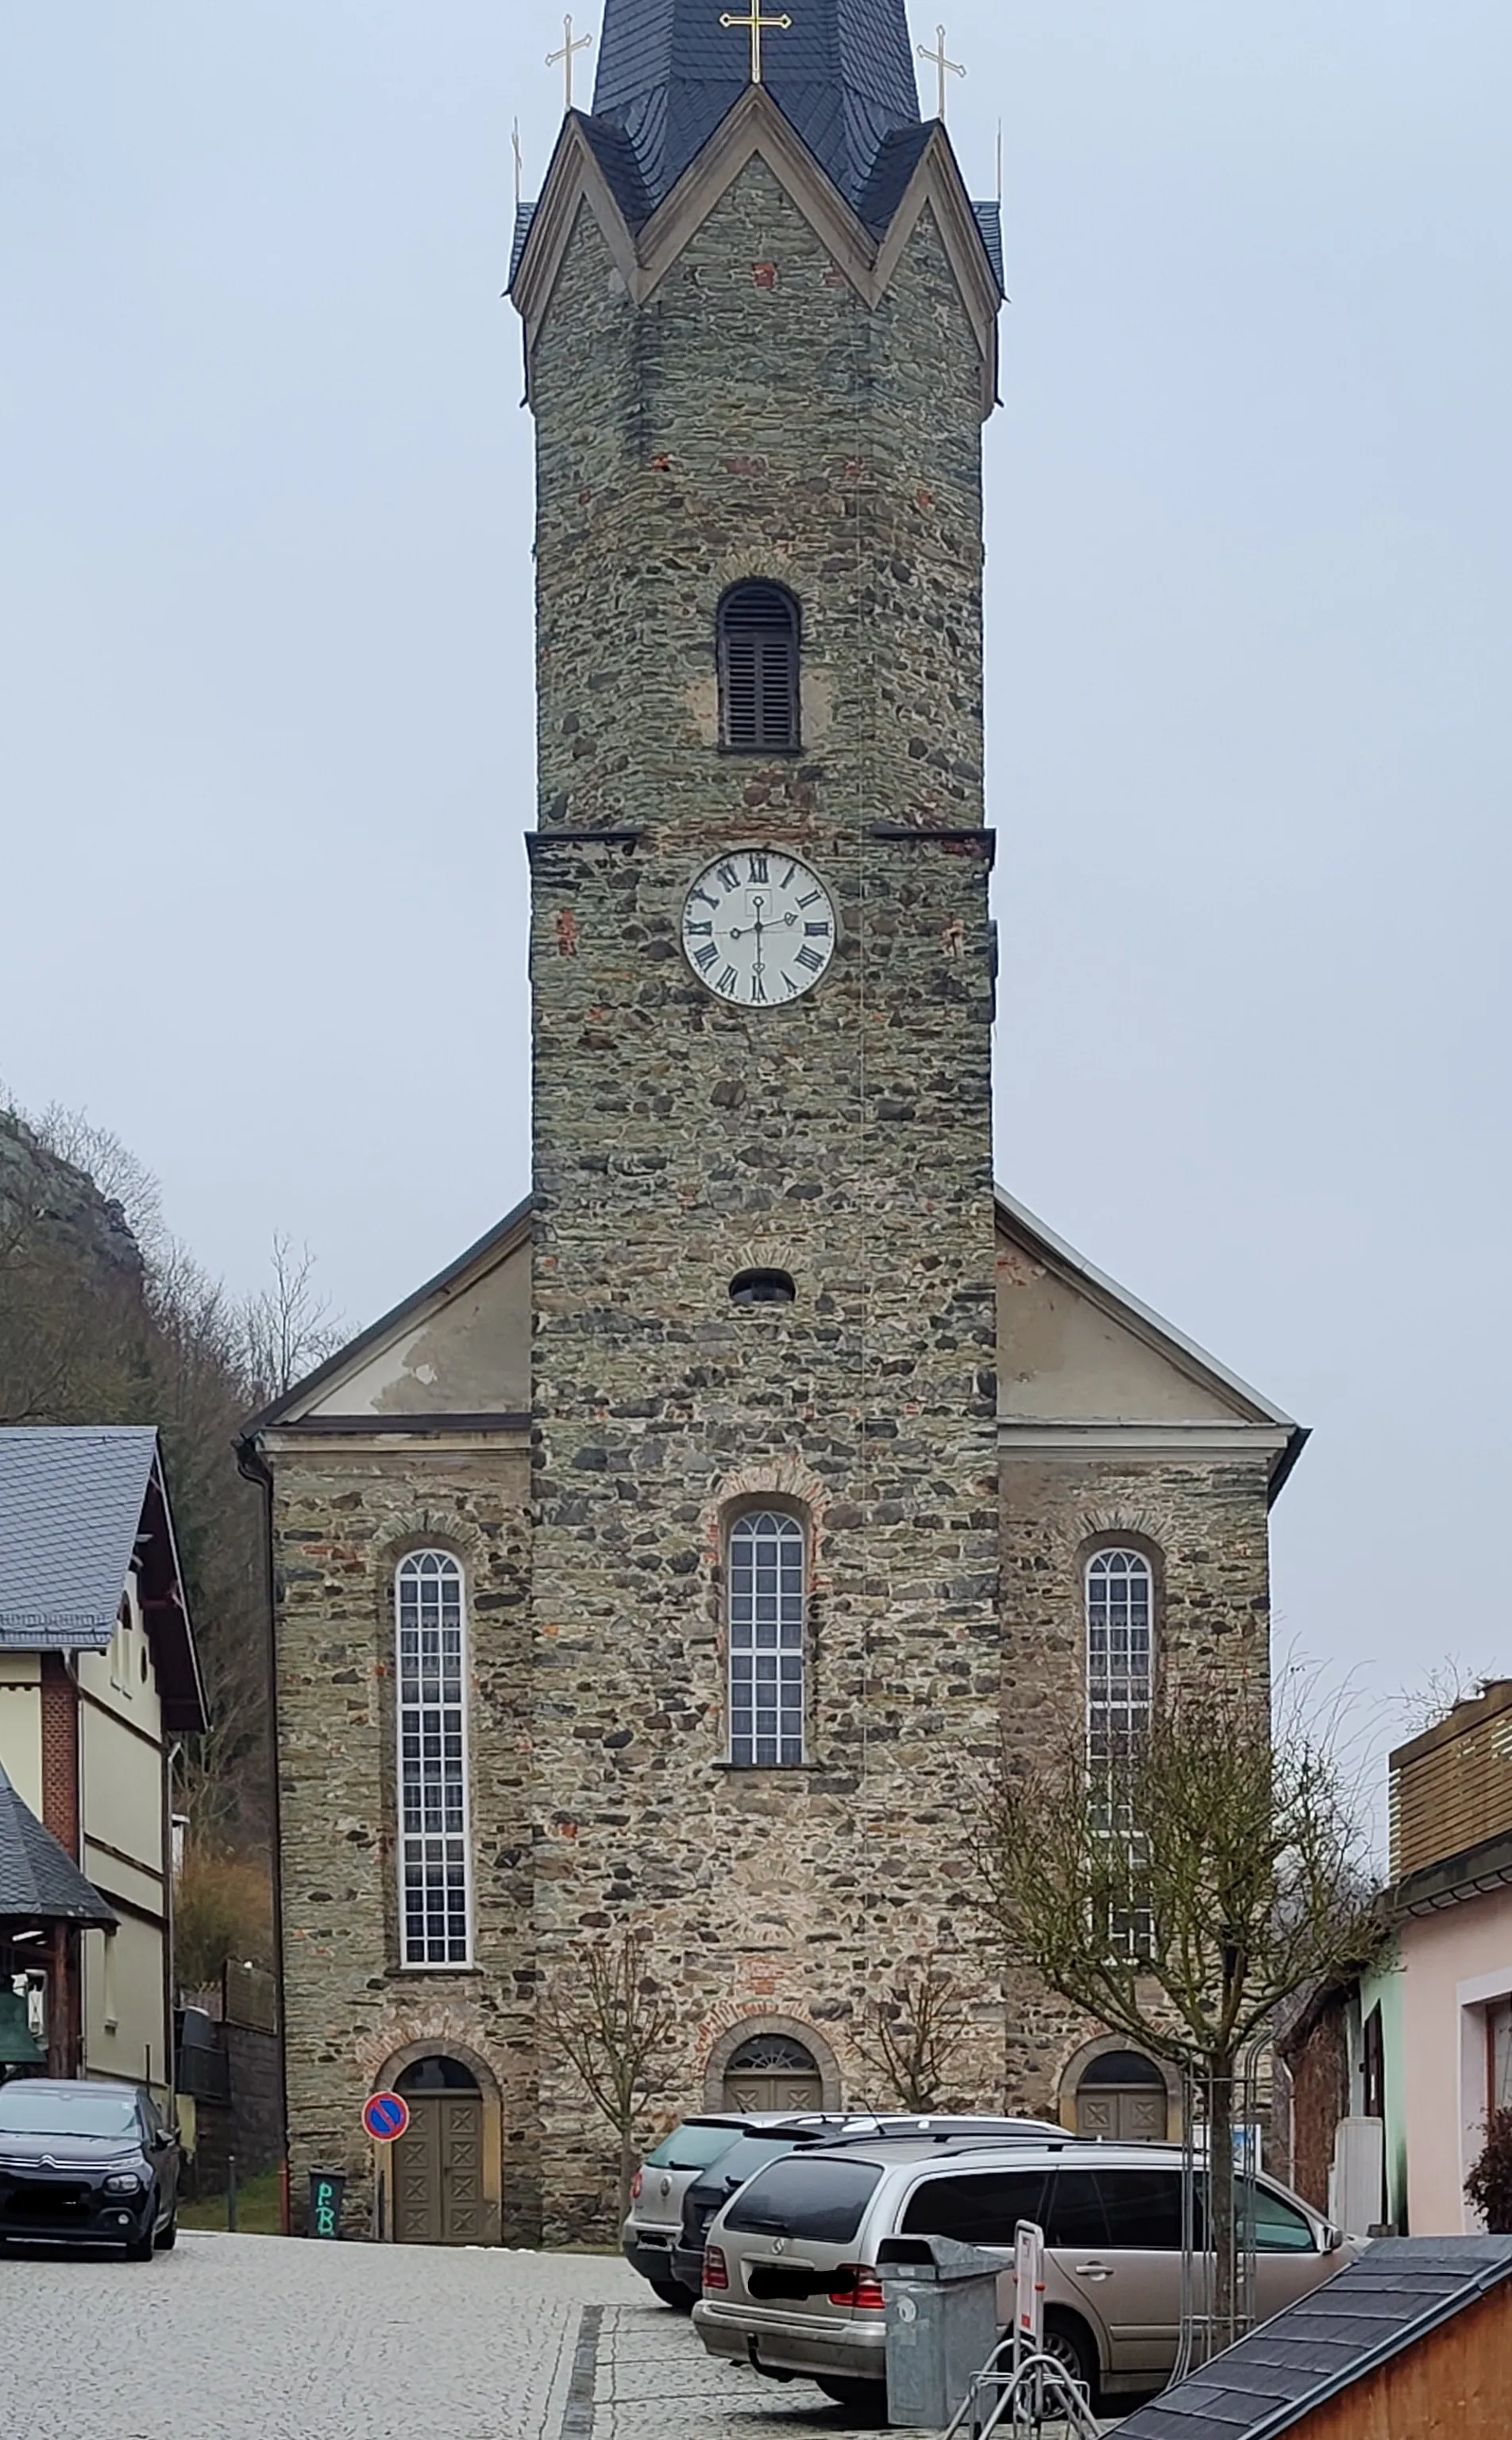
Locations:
(87, 2163)
(654, 2222)
(713, 2187)
(791, 2281)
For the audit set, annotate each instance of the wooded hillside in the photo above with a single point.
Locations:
(105, 1319)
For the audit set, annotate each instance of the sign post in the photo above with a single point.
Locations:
(385, 2118)
(1028, 2309)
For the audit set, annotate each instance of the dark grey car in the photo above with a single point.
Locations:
(86, 2163)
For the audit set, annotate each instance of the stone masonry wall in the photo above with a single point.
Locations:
(341, 1523)
(756, 419)
(1205, 1526)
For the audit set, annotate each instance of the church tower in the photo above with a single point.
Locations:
(667, 1565)
(760, 323)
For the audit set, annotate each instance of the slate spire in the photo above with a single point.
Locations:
(668, 72)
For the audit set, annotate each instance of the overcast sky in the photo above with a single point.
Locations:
(265, 655)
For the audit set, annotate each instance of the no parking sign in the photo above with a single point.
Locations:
(386, 2115)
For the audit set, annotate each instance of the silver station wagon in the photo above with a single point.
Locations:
(791, 2283)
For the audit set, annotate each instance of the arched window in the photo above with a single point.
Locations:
(1120, 1655)
(768, 1569)
(758, 670)
(432, 1789)
(1120, 1688)
(763, 1287)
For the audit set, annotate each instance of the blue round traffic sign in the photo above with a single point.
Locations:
(386, 2115)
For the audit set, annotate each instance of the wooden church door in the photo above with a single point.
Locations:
(772, 2072)
(439, 2162)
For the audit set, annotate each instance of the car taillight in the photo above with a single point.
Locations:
(636, 2188)
(858, 2286)
(716, 2276)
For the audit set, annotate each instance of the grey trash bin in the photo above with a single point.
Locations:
(942, 2326)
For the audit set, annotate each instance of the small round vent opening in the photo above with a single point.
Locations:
(763, 1287)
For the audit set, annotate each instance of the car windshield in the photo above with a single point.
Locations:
(29, 2111)
(692, 2147)
(812, 2195)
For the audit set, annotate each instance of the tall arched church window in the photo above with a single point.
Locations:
(768, 1570)
(758, 670)
(1120, 1653)
(1120, 1690)
(434, 1865)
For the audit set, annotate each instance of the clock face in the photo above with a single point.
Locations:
(758, 928)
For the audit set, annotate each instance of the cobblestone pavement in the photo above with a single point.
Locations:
(247, 2338)
(652, 2380)
(656, 2382)
(253, 2338)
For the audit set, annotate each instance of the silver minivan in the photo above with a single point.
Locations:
(792, 2282)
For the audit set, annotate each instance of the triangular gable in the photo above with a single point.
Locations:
(1074, 1348)
(582, 175)
(459, 1349)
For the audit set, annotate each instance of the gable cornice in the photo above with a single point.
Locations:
(513, 1234)
(756, 129)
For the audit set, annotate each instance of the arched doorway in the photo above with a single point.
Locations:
(1121, 2097)
(439, 2196)
(772, 2072)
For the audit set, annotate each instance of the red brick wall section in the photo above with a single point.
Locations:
(1320, 2097)
(60, 1753)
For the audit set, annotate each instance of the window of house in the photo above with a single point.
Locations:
(767, 1601)
(433, 1804)
(758, 670)
(1499, 2056)
(1120, 1594)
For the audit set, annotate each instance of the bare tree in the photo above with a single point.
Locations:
(613, 2024)
(1181, 1892)
(912, 2034)
(112, 1168)
(286, 1329)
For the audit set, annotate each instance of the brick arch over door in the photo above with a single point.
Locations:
(780, 2029)
(476, 2117)
(1079, 2100)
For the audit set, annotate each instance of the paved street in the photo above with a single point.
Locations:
(254, 2339)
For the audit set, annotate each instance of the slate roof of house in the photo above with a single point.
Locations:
(668, 72)
(1398, 2292)
(38, 1880)
(71, 1504)
(74, 1502)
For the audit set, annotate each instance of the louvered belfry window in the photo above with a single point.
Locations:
(758, 670)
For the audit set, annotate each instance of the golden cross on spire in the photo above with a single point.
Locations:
(756, 25)
(948, 67)
(568, 53)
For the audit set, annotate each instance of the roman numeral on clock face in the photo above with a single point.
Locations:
(728, 878)
(729, 981)
(759, 867)
(812, 959)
